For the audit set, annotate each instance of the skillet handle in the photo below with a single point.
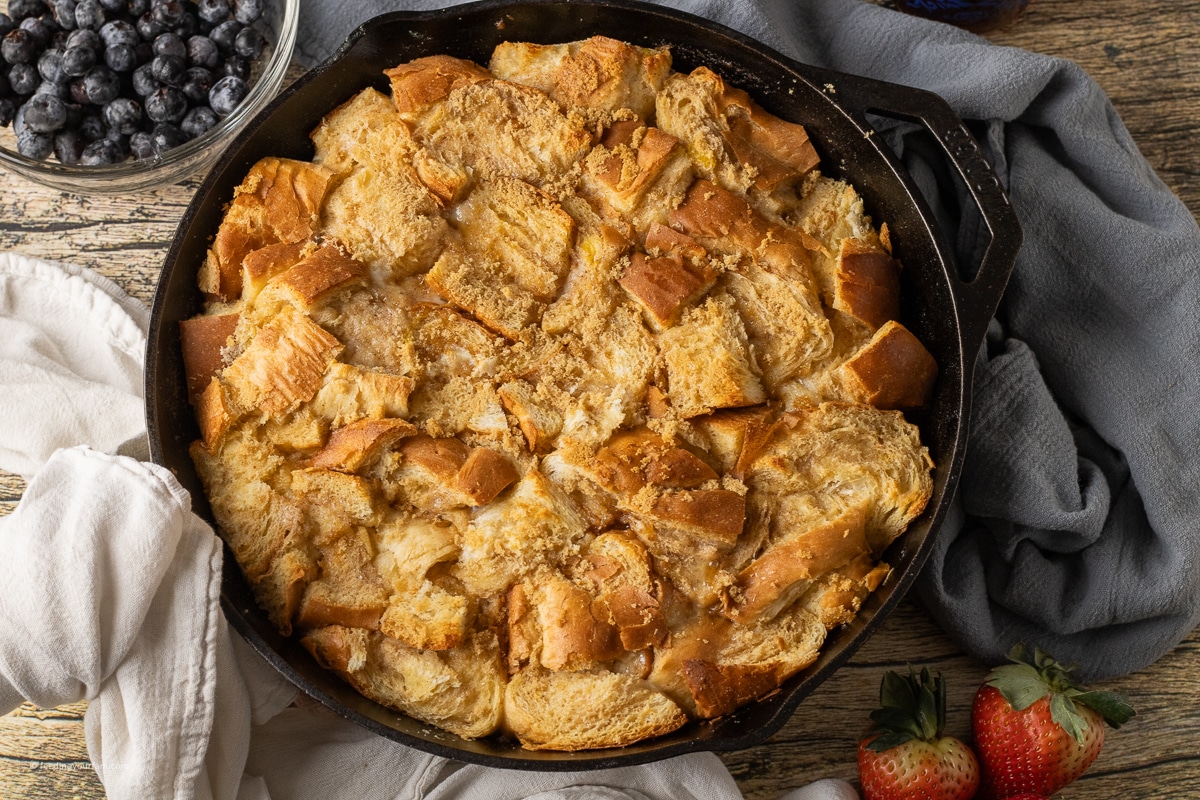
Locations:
(978, 297)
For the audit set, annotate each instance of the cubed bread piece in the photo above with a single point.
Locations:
(537, 410)
(713, 666)
(630, 158)
(891, 371)
(349, 394)
(831, 211)
(783, 320)
(423, 82)
(788, 568)
(531, 526)
(550, 710)
(427, 617)
(214, 413)
(709, 362)
(460, 690)
(334, 501)
(867, 283)
(598, 73)
(480, 284)
(619, 567)
(736, 437)
(840, 455)
(278, 201)
(283, 365)
(202, 340)
(263, 264)
(518, 245)
(499, 128)
(441, 473)
(664, 286)
(724, 222)
(389, 222)
(320, 272)
(366, 129)
(348, 590)
(733, 141)
(587, 293)
(573, 637)
(836, 597)
(353, 446)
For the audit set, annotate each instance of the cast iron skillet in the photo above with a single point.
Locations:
(949, 314)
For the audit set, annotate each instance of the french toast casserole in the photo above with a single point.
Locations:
(561, 399)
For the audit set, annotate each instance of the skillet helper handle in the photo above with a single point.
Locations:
(978, 297)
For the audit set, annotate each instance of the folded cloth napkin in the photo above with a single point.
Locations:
(111, 593)
(1075, 530)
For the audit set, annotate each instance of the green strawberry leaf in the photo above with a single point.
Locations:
(1110, 705)
(886, 741)
(1062, 711)
(895, 720)
(1020, 684)
(896, 691)
(927, 709)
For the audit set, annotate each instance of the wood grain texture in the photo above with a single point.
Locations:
(1144, 55)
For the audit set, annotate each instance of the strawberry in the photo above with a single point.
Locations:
(1036, 729)
(905, 756)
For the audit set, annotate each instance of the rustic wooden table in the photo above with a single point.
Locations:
(1144, 54)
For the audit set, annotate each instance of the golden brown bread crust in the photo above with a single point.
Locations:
(552, 399)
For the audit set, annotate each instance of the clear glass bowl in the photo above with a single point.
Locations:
(278, 24)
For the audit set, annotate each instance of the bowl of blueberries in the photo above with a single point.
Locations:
(116, 96)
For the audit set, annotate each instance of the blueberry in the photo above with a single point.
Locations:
(89, 14)
(166, 136)
(78, 60)
(119, 31)
(50, 66)
(246, 11)
(226, 94)
(144, 82)
(197, 82)
(24, 78)
(224, 34)
(42, 29)
(249, 43)
(168, 12)
(6, 24)
(121, 58)
(149, 28)
(92, 126)
(64, 14)
(141, 145)
(8, 110)
(102, 85)
(168, 69)
(23, 9)
(138, 7)
(237, 67)
(115, 6)
(60, 90)
(198, 121)
(59, 42)
(68, 146)
(78, 92)
(45, 113)
(123, 115)
(169, 44)
(18, 47)
(168, 104)
(214, 12)
(101, 152)
(85, 38)
(188, 26)
(32, 144)
(203, 52)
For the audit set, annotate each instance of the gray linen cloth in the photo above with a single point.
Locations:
(1076, 524)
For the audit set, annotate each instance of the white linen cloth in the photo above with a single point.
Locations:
(110, 593)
